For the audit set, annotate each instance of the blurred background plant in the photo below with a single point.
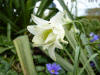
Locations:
(15, 16)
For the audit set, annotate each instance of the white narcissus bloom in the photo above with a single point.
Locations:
(48, 34)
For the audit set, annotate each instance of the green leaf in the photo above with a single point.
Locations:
(76, 61)
(16, 3)
(3, 49)
(43, 6)
(1, 73)
(4, 65)
(42, 73)
(6, 20)
(11, 72)
(24, 53)
(30, 4)
(91, 58)
(40, 68)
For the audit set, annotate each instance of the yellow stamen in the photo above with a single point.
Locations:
(52, 70)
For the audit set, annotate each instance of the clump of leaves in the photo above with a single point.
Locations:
(5, 68)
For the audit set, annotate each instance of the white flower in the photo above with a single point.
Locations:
(48, 34)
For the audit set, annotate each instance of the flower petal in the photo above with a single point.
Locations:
(51, 51)
(58, 67)
(54, 65)
(57, 19)
(48, 66)
(38, 20)
(32, 29)
(46, 45)
(56, 73)
(58, 45)
(63, 41)
(95, 37)
(37, 39)
(91, 34)
(51, 37)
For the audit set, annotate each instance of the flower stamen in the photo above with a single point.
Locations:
(52, 70)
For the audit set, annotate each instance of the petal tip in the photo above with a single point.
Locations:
(28, 28)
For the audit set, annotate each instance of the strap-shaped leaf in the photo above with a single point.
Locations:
(24, 53)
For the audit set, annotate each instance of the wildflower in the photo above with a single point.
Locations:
(53, 68)
(92, 34)
(48, 34)
(92, 64)
(95, 37)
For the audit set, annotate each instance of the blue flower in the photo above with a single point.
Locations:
(95, 37)
(53, 68)
(92, 64)
(91, 34)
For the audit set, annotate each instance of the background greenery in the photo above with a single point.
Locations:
(15, 17)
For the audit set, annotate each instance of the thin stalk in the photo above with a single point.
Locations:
(9, 32)
(67, 52)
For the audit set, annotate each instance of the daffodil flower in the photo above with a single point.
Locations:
(48, 34)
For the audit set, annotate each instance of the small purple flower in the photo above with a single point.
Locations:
(91, 34)
(53, 68)
(95, 37)
(92, 64)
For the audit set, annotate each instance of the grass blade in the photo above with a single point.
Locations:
(6, 20)
(3, 49)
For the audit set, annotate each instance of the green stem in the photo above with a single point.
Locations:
(67, 52)
(9, 32)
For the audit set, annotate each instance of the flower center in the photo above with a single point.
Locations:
(46, 33)
(52, 70)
